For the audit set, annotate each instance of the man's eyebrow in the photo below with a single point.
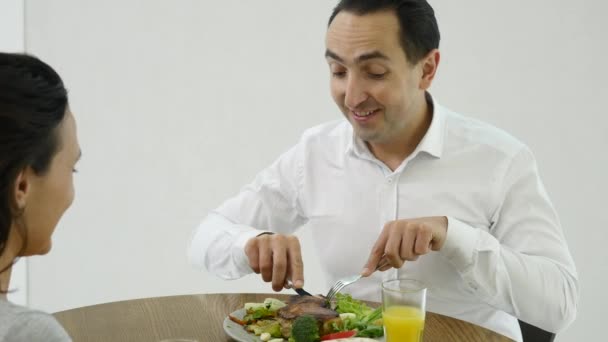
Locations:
(362, 58)
(333, 55)
(371, 55)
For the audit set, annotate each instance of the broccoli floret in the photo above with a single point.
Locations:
(305, 329)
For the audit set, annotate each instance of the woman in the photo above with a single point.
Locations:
(38, 152)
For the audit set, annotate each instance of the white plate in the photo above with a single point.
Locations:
(238, 333)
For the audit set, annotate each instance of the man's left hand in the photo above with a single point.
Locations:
(407, 239)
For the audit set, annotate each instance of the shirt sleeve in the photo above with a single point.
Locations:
(268, 204)
(522, 265)
(34, 326)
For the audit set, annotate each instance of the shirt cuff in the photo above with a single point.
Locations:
(238, 249)
(460, 244)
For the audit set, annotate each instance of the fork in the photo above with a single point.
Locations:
(344, 282)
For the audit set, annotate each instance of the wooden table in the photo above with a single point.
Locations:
(200, 317)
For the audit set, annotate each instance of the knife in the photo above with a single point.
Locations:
(301, 292)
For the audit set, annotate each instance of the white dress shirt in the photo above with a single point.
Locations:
(504, 257)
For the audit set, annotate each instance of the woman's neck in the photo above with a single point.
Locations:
(5, 279)
(6, 260)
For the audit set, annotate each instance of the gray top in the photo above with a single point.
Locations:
(20, 324)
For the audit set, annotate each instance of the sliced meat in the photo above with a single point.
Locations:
(320, 301)
(307, 305)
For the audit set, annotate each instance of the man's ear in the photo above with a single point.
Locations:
(429, 65)
(22, 187)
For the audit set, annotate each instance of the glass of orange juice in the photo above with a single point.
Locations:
(403, 309)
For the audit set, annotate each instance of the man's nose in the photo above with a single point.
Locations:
(355, 93)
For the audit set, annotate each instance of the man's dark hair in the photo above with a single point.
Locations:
(419, 33)
(33, 102)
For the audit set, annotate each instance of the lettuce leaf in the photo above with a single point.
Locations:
(366, 319)
(346, 304)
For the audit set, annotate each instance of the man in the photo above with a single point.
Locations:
(442, 198)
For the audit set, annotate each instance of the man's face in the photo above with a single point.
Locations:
(372, 82)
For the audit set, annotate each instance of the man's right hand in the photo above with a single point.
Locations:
(278, 258)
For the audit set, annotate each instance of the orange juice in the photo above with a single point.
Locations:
(403, 323)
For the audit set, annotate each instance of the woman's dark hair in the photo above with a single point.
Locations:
(418, 25)
(33, 102)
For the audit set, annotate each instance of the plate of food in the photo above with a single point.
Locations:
(305, 319)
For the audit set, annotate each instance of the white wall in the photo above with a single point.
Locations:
(12, 40)
(180, 103)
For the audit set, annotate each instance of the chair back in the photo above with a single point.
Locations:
(531, 333)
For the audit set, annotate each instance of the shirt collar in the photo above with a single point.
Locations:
(431, 143)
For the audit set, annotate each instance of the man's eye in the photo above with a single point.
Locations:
(339, 74)
(377, 76)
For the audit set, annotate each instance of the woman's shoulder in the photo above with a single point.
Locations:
(24, 324)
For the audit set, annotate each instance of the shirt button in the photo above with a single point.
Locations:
(389, 180)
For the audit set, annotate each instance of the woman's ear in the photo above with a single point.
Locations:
(22, 187)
